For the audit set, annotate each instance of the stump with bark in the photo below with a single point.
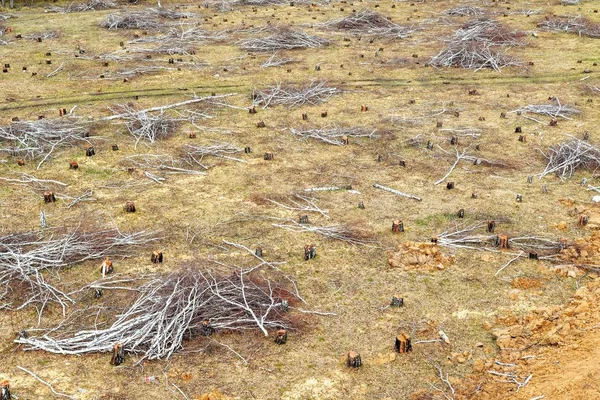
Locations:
(90, 151)
(252, 110)
(5, 390)
(353, 360)
(364, 108)
(533, 255)
(20, 162)
(130, 206)
(397, 301)
(361, 205)
(403, 343)
(323, 114)
(303, 219)
(429, 145)
(304, 117)
(269, 156)
(206, 329)
(518, 130)
(461, 213)
(97, 293)
(281, 336)
(192, 135)
(450, 185)
(260, 124)
(583, 220)
(107, 267)
(502, 241)
(247, 150)
(118, 355)
(454, 140)
(115, 147)
(157, 257)
(519, 198)
(345, 140)
(258, 252)
(490, 226)
(553, 122)
(310, 252)
(73, 165)
(522, 138)
(49, 197)
(397, 226)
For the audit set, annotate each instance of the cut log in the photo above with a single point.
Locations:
(403, 343)
(281, 336)
(353, 360)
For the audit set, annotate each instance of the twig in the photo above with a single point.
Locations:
(46, 383)
(508, 263)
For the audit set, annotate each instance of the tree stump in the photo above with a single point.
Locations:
(310, 252)
(586, 135)
(247, 150)
(252, 110)
(563, 243)
(284, 306)
(317, 67)
(118, 355)
(473, 92)
(429, 145)
(353, 360)
(461, 213)
(533, 255)
(454, 140)
(304, 117)
(481, 118)
(20, 162)
(522, 138)
(323, 114)
(361, 205)
(281, 336)
(403, 343)
(402, 163)
(530, 179)
(303, 219)
(397, 301)
(269, 156)
(192, 135)
(553, 122)
(438, 124)
(258, 252)
(518, 130)
(519, 198)
(60, 112)
(260, 124)
(474, 195)
(345, 140)
(206, 329)
(379, 158)
(490, 226)
(130, 206)
(157, 257)
(106, 268)
(73, 165)
(97, 293)
(450, 185)
(90, 151)
(364, 108)
(49, 197)
(583, 220)
(15, 119)
(5, 390)
(502, 115)
(433, 240)
(397, 226)
(502, 241)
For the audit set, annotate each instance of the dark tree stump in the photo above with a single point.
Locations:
(533, 255)
(461, 213)
(281, 336)
(97, 293)
(252, 110)
(258, 252)
(530, 179)
(115, 147)
(397, 301)
(64, 110)
(364, 108)
(107, 267)
(522, 138)
(345, 140)
(379, 158)
(361, 205)
(15, 119)
(192, 135)
(206, 329)
(454, 140)
(503, 115)
(323, 114)
(554, 122)
(438, 124)
(402, 163)
(474, 195)
(519, 198)
(310, 252)
(304, 117)
(247, 150)
(473, 92)
(586, 135)
(583, 220)
(20, 162)
(412, 101)
(434, 240)
(491, 225)
(49, 197)
(157, 257)
(5, 390)
(130, 206)
(429, 145)
(73, 165)
(303, 219)
(450, 185)
(397, 226)
(60, 112)
(353, 360)
(563, 243)
(317, 67)
(518, 130)
(502, 241)
(90, 151)
(118, 355)
(481, 118)
(269, 156)
(260, 124)
(403, 343)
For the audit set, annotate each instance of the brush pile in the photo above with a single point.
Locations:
(368, 23)
(579, 25)
(150, 19)
(284, 39)
(333, 135)
(479, 44)
(567, 157)
(464, 11)
(91, 5)
(314, 93)
(146, 126)
(555, 110)
(183, 40)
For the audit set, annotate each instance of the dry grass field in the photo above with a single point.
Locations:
(93, 72)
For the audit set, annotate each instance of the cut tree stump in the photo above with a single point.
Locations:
(450, 185)
(269, 156)
(118, 355)
(107, 267)
(130, 206)
(157, 257)
(192, 135)
(361, 205)
(304, 117)
(454, 140)
(403, 343)
(73, 165)
(258, 252)
(364, 108)
(490, 226)
(303, 219)
(522, 138)
(533, 255)
(247, 150)
(583, 220)
(206, 329)
(345, 140)
(97, 293)
(115, 147)
(20, 162)
(5, 390)
(260, 124)
(518, 130)
(429, 145)
(252, 110)
(323, 114)
(519, 198)
(461, 213)
(397, 226)
(397, 301)
(502, 241)
(90, 151)
(353, 360)
(474, 195)
(310, 252)
(49, 197)
(281, 336)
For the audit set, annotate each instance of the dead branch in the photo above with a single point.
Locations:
(515, 258)
(47, 384)
(195, 154)
(315, 93)
(578, 25)
(300, 203)
(334, 232)
(150, 19)
(275, 61)
(333, 135)
(555, 110)
(87, 196)
(569, 156)
(90, 5)
(160, 162)
(396, 192)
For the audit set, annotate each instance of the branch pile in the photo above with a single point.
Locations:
(284, 38)
(182, 40)
(315, 93)
(368, 23)
(569, 156)
(150, 18)
(343, 233)
(333, 135)
(91, 5)
(551, 110)
(147, 126)
(463, 11)
(185, 304)
(479, 44)
(194, 154)
(579, 25)
(25, 257)
(39, 138)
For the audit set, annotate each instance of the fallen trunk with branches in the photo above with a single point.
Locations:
(146, 126)
(150, 18)
(284, 39)
(28, 259)
(314, 93)
(343, 233)
(368, 23)
(185, 304)
(333, 135)
(195, 154)
(556, 110)
(569, 156)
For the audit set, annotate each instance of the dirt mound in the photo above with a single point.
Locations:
(419, 256)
